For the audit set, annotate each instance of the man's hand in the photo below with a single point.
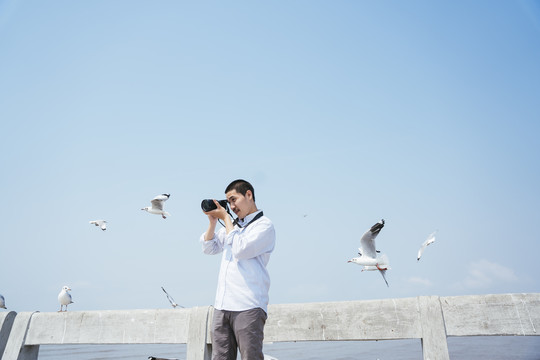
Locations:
(214, 215)
(219, 213)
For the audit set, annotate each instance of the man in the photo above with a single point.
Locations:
(242, 293)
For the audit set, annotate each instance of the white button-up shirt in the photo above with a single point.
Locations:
(243, 281)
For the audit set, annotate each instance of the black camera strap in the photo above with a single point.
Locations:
(258, 216)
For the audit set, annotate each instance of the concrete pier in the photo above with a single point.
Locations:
(431, 319)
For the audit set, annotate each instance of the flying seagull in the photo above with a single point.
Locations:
(159, 358)
(430, 240)
(368, 254)
(157, 205)
(64, 298)
(2, 302)
(171, 300)
(101, 223)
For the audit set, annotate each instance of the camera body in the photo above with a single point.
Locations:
(208, 204)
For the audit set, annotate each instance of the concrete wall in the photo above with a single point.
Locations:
(6, 323)
(429, 318)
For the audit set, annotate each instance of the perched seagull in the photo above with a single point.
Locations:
(101, 223)
(157, 206)
(158, 358)
(64, 298)
(368, 254)
(430, 240)
(171, 300)
(2, 302)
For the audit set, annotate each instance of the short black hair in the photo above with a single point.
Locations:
(241, 187)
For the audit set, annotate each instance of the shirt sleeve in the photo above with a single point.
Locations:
(255, 240)
(214, 246)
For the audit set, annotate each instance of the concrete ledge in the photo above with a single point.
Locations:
(348, 320)
(110, 327)
(429, 318)
(16, 348)
(501, 314)
(6, 323)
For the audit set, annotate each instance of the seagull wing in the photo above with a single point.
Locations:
(429, 240)
(367, 242)
(421, 251)
(171, 300)
(162, 197)
(157, 202)
(383, 273)
(100, 223)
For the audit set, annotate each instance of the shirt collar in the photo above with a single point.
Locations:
(248, 218)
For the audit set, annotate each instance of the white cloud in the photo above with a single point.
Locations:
(484, 273)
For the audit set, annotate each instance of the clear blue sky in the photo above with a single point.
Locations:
(424, 114)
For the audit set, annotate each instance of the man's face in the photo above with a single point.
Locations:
(239, 203)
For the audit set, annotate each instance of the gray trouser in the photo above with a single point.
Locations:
(233, 330)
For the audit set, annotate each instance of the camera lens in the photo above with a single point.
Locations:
(208, 205)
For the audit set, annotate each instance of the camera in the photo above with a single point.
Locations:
(208, 204)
